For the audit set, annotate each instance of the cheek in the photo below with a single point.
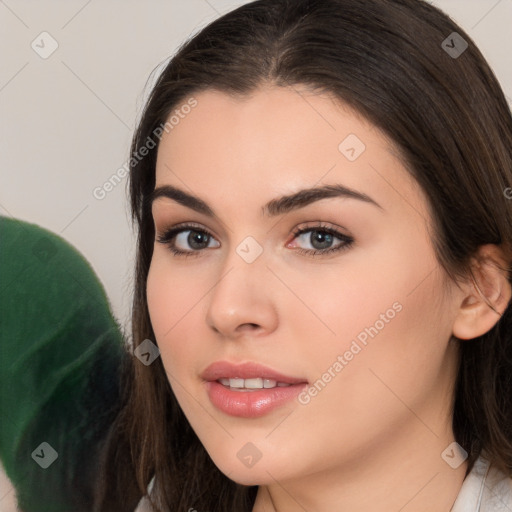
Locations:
(392, 342)
(380, 309)
(171, 300)
(359, 297)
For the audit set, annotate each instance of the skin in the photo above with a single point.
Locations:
(372, 438)
(7, 493)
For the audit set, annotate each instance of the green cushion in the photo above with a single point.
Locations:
(60, 356)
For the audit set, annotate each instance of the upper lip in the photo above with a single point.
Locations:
(249, 370)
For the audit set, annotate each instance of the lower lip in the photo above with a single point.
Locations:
(250, 404)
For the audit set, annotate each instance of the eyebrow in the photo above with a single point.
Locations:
(273, 208)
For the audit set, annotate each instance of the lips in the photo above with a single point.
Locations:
(249, 390)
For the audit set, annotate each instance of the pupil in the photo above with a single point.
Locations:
(324, 239)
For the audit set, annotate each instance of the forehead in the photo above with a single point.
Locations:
(277, 140)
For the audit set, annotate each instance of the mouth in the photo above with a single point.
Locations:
(249, 390)
(238, 384)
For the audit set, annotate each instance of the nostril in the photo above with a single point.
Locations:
(249, 326)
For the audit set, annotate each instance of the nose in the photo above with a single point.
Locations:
(242, 300)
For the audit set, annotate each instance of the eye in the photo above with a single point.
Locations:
(321, 239)
(178, 238)
(190, 240)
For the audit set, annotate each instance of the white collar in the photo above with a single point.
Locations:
(485, 489)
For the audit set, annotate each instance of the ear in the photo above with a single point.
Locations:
(487, 294)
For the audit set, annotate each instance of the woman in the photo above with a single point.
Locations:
(324, 254)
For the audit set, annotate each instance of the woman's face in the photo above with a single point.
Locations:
(360, 335)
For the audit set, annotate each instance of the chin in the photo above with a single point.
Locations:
(237, 471)
(248, 477)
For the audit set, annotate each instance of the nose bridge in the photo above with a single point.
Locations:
(247, 260)
(242, 294)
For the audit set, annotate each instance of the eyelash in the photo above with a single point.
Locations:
(167, 238)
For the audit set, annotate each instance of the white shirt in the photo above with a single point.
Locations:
(485, 489)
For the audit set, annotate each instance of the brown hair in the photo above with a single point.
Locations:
(449, 118)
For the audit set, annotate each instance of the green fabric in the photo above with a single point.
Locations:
(60, 355)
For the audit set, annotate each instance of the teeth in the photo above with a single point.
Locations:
(255, 383)
(236, 383)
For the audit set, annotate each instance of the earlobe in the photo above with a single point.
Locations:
(488, 294)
